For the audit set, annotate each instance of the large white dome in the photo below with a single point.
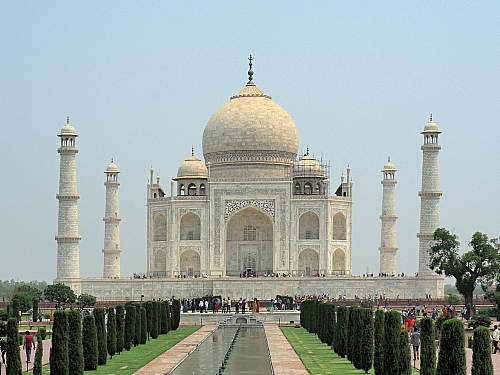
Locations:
(252, 125)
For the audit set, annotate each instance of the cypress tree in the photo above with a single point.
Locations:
(351, 345)
(89, 338)
(15, 309)
(35, 309)
(357, 336)
(119, 328)
(154, 321)
(149, 316)
(341, 332)
(176, 314)
(163, 319)
(169, 317)
(137, 330)
(14, 366)
(392, 327)
(366, 340)
(452, 349)
(37, 367)
(330, 322)
(427, 347)
(404, 353)
(102, 345)
(129, 327)
(144, 326)
(481, 352)
(111, 335)
(59, 360)
(378, 350)
(76, 365)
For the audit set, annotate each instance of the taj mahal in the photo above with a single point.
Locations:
(253, 219)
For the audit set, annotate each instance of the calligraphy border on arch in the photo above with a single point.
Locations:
(233, 205)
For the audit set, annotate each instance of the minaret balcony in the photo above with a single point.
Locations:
(67, 197)
(435, 193)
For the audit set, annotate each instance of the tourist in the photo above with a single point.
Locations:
(201, 305)
(496, 338)
(243, 304)
(28, 344)
(415, 342)
(214, 305)
(228, 305)
(254, 306)
(271, 304)
(237, 306)
(206, 306)
(224, 305)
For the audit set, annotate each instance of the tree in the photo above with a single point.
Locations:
(138, 330)
(392, 327)
(479, 265)
(366, 340)
(85, 300)
(378, 354)
(163, 319)
(481, 352)
(341, 331)
(76, 364)
(144, 326)
(35, 310)
(90, 350)
(129, 331)
(452, 349)
(14, 366)
(351, 337)
(59, 360)
(111, 334)
(149, 315)
(119, 328)
(176, 314)
(404, 353)
(427, 347)
(25, 301)
(493, 295)
(102, 344)
(15, 308)
(59, 293)
(331, 322)
(37, 366)
(34, 292)
(154, 321)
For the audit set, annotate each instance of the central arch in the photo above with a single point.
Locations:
(249, 243)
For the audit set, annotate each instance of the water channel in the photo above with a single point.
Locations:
(249, 354)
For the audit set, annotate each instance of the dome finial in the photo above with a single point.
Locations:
(250, 72)
(307, 150)
(67, 120)
(192, 150)
(431, 117)
(111, 160)
(388, 159)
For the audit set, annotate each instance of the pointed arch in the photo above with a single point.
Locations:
(160, 264)
(190, 263)
(160, 228)
(190, 227)
(308, 262)
(309, 226)
(337, 262)
(339, 226)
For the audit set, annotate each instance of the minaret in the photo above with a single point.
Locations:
(112, 224)
(68, 258)
(429, 195)
(388, 246)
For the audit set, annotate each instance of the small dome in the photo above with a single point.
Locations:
(68, 130)
(431, 126)
(389, 166)
(192, 167)
(307, 167)
(112, 168)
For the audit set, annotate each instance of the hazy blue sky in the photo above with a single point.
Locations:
(141, 79)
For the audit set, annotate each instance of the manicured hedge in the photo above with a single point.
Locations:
(75, 348)
(102, 342)
(164, 326)
(111, 334)
(144, 326)
(481, 352)
(378, 351)
(341, 331)
(89, 341)
(37, 366)
(392, 327)
(13, 352)
(365, 347)
(404, 354)
(120, 327)
(59, 360)
(452, 358)
(129, 331)
(155, 320)
(176, 314)
(427, 347)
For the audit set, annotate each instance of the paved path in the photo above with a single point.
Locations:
(166, 361)
(285, 360)
(45, 360)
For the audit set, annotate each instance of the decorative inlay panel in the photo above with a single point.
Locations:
(303, 247)
(233, 205)
(195, 248)
(303, 210)
(183, 211)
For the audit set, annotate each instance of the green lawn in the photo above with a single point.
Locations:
(318, 357)
(130, 361)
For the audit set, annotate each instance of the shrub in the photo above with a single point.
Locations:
(163, 319)
(404, 353)
(137, 331)
(427, 347)
(367, 304)
(102, 344)
(356, 338)
(392, 327)
(452, 349)
(453, 299)
(144, 326)
(481, 352)
(176, 314)
(4, 315)
(169, 316)
(341, 331)
(480, 321)
(37, 366)
(59, 360)
(129, 331)
(330, 322)
(14, 366)
(3, 329)
(111, 332)
(351, 338)
(35, 309)
(149, 315)
(14, 304)
(378, 354)
(441, 319)
(119, 328)
(306, 309)
(75, 365)
(43, 332)
(89, 341)
(366, 340)
(154, 320)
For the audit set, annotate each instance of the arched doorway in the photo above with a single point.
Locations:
(249, 243)
(308, 262)
(160, 264)
(190, 263)
(309, 226)
(338, 262)
(190, 228)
